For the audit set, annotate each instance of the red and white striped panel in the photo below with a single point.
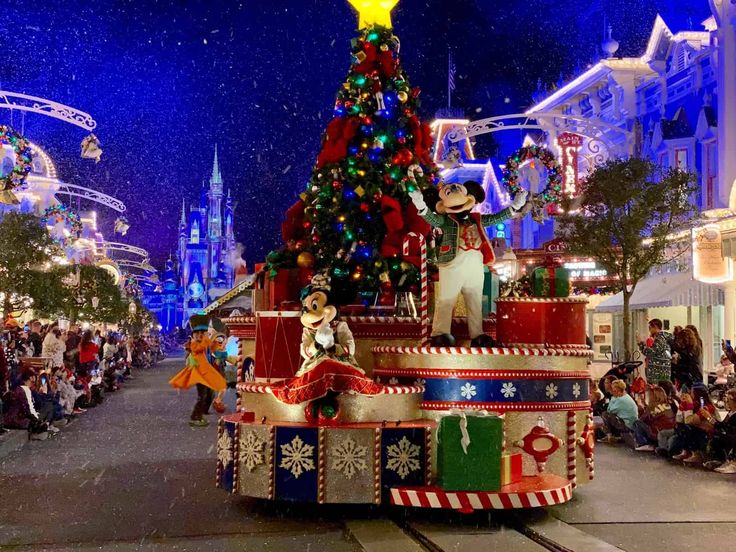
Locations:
(482, 351)
(255, 387)
(466, 502)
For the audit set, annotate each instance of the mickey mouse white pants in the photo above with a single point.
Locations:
(464, 274)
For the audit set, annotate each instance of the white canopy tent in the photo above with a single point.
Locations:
(676, 289)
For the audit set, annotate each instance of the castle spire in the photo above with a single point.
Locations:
(216, 176)
(183, 220)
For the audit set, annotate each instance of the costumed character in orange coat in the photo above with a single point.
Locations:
(198, 371)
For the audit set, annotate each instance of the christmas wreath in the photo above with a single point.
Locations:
(61, 213)
(552, 193)
(23, 158)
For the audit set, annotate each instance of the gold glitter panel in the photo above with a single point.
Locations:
(254, 456)
(349, 465)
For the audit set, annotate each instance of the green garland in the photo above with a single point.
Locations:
(552, 193)
(61, 212)
(22, 167)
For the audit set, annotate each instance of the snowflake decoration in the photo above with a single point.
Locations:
(403, 457)
(468, 391)
(393, 381)
(576, 390)
(251, 451)
(225, 448)
(551, 390)
(420, 381)
(508, 390)
(297, 457)
(349, 457)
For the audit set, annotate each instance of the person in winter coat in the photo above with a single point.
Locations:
(20, 412)
(54, 347)
(686, 359)
(692, 436)
(657, 416)
(722, 445)
(659, 354)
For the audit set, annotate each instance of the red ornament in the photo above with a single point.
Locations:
(307, 225)
(336, 184)
(540, 443)
(300, 244)
(365, 207)
(315, 238)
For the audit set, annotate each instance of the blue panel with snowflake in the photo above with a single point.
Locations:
(403, 457)
(226, 456)
(506, 390)
(296, 463)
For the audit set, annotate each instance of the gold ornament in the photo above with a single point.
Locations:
(305, 260)
(374, 12)
(403, 96)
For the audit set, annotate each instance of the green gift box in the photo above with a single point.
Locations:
(477, 466)
(490, 291)
(550, 282)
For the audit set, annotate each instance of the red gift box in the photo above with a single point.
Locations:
(510, 468)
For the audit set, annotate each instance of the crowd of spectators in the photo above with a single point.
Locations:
(49, 376)
(670, 410)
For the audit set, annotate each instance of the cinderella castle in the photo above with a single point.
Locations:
(206, 250)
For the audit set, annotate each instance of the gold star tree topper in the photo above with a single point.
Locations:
(374, 12)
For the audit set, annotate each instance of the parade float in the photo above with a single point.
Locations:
(353, 401)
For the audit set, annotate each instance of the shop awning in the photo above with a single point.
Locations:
(667, 290)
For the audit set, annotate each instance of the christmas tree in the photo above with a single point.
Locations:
(355, 213)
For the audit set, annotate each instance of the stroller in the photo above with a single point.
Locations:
(627, 370)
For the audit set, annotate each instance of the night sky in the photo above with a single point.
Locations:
(166, 80)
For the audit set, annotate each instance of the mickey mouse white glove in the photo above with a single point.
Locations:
(418, 200)
(325, 336)
(517, 204)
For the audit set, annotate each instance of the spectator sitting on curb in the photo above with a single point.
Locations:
(621, 414)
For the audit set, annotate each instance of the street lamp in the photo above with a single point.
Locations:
(132, 308)
(95, 302)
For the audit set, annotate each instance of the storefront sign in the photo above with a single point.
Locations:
(555, 246)
(709, 264)
(585, 270)
(570, 145)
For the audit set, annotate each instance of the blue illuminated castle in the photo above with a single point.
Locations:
(206, 247)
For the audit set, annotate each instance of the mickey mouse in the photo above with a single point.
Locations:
(463, 251)
(322, 336)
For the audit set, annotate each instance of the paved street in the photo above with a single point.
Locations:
(131, 474)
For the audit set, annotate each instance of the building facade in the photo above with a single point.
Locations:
(674, 105)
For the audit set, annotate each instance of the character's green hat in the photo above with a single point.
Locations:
(199, 322)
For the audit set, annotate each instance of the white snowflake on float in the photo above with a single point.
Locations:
(403, 457)
(508, 390)
(393, 381)
(225, 448)
(420, 381)
(468, 391)
(576, 390)
(349, 457)
(297, 457)
(551, 390)
(251, 451)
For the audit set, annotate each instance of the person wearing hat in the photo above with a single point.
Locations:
(218, 357)
(198, 371)
(462, 252)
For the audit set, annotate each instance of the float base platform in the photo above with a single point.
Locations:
(531, 492)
